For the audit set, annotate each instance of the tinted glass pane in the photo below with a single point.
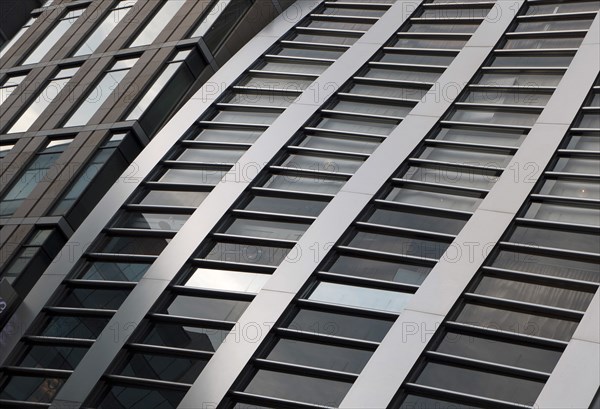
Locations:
(134, 245)
(480, 383)
(578, 165)
(158, 23)
(433, 199)
(571, 188)
(227, 135)
(248, 253)
(534, 236)
(519, 322)
(182, 336)
(276, 82)
(267, 229)
(546, 265)
(173, 198)
(360, 297)
(497, 351)
(53, 357)
(316, 184)
(299, 388)
(442, 28)
(332, 163)
(552, 25)
(417, 58)
(319, 355)
(347, 144)
(453, 175)
(162, 367)
(140, 398)
(419, 402)
(522, 78)
(491, 116)
(387, 109)
(492, 96)
(560, 7)
(534, 293)
(306, 52)
(341, 325)
(210, 308)
(564, 213)
(114, 271)
(246, 117)
(26, 388)
(357, 125)
(227, 280)
(392, 91)
(152, 221)
(410, 246)
(74, 327)
(405, 74)
(416, 221)
(94, 298)
(294, 67)
(285, 205)
(532, 61)
(379, 269)
(482, 136)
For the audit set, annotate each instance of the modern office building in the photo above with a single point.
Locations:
(84, 86)
(13, 15)
(372, 204)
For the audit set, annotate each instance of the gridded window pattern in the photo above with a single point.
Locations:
(503, 338)
(34, 173)
(51, 38)
(103, 278)
(234, 265)
(106, 25)
(163, 16)
(107, 86)
(43, 100)
(387, 253)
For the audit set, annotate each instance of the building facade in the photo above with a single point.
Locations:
(372, 204)
(85, 86)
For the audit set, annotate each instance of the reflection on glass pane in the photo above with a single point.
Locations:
(364, 107)
(306, 52)
(227, 135)
(269, 98)
(152, 221)
(494, 116)
(399, 271)
(113, 271)
(482, 136)
(517, 322)
(158, 23)
(249, 254)
(211, 155)
(346, 144)
(267, 229)
(409, 246)
(357, 125)
(532, 61)
(360, 297)
(534, 293)
(403, 74)
(227, 280)
(152, 93)
(520, 78)
(27, 388)
(486, 384)
(74, 327)
(564, 213)
(418, 221)
(133, 245)
(547, 265)
(571, 188)
(294, 67)
(208, 176)
(561, 239)
(433, 199)
(173, 198)
(52, 357)
(208, 308)
(298, 388)
(94, 298)
(316, 355)
(162, 367)
(246, 117)
(340, 325)
(140, 398)
(442, 28)
(500, 352)
(283, 205)
(186, 337)
(578, 165)
(419, 402)
(311, 183)
(417, 58)
(334, 164)
(453, 175)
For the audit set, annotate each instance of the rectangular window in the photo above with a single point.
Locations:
(94, 100)
(35, 173)
(152, 93)
(30, 250)
(51, 38)
(87, 175)
(43, 100)
(158, 23)
(5, 150)
(10, 85)
(102, 31)
(19, 34)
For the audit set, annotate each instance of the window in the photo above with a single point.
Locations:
(185, 336)
(139, 397)
(152, 93)
(113, 271)
(43, 100)
(51, 38)
(117, 13)
(359, 297)
(158, 23)
(35, 173)
(107, 85)
(87, 175)
(10, 85)
(220, 20)
(227, 280)
(5, 150)
(396, 271)
(52, 357)
(16, 38)
(207, 308)
(162, 367)
(29, 388)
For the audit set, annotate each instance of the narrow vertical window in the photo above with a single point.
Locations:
(10, 85)
(158, 23)
(109, 83)
(44, 98)
(19, 34)
(114, 17)
(53, 36)
(35, 173)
